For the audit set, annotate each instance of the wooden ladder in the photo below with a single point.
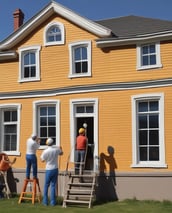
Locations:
(32, 195)
(80, 190)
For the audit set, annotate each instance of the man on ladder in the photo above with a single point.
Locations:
(81, 149)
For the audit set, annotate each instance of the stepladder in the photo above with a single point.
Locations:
(5, 188)
(31, 191)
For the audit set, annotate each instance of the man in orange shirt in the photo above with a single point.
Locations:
(81, 147)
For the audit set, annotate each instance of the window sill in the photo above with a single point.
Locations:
(79, 75)
(29, 80)
(11, 153)
(150, 165)
(150, 67)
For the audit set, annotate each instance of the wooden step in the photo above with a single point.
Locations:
(77, 201)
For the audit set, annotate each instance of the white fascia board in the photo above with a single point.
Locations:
(44, 14)
(82, 22)
(140, 39)
(7, 55)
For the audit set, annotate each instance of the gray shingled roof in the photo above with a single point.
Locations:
(131, 26)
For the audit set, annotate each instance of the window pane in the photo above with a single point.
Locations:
(51, 121)
(84, 67)
(32, 58)
(51, 111)
(26, 72)
(77, 54)
(78, 67)
(14, 115)
(80, 109)
(51, 131)
(154, 137)
(143, 107)
(89, 109)
(13, 142)
(153, 105)
(43, 132)
(43, 121)
(33, 71)
(143, 154)
(43, 111)
(10, 129)
(154, 154)
(144, 50)
(152, 48)
(153, 121)
(152, 59)
(142, 121)
(26, 59)
(145, 60)
(7, 116)
(84, 53)
(143, 138)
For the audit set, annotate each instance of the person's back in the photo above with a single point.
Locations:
(81, 142)
(51, 157)
(31, 146)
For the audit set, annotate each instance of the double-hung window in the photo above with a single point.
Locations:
(29, 64)
(148, 56)
(80, 59)
(46, 120)
(10, 128)
(54, 34)
(148, 131)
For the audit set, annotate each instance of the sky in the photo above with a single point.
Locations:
(91, 9)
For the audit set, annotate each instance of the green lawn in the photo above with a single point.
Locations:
(133, 206)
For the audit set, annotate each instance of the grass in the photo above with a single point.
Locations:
(126, 206)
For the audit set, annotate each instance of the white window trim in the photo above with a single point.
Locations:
(158, 57)
(61, 26)
(152, 164)
(45, 102)
(37, 49)
(18, 108)
(71, 46)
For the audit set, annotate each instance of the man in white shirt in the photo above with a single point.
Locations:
(33, 143)
(50, 156)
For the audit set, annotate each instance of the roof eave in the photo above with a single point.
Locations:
(133, 40)
(8, 55)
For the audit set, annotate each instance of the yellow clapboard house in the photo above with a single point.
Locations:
(60, 70)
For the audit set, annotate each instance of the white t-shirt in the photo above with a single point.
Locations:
(32, 146)
(50, 156)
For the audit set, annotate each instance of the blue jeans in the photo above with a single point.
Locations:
(31, 161)
(80, 157)
(50, 180)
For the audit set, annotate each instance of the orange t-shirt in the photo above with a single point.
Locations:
(81, 142)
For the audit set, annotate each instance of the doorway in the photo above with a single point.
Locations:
(85, 111)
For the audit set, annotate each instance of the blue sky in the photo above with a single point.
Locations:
(92, 9)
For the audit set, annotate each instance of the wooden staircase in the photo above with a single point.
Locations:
(80, 190)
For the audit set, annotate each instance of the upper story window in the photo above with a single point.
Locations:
(80, 59)
(29, 64)
(148, 130)
(54, 34)
(148, 56)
